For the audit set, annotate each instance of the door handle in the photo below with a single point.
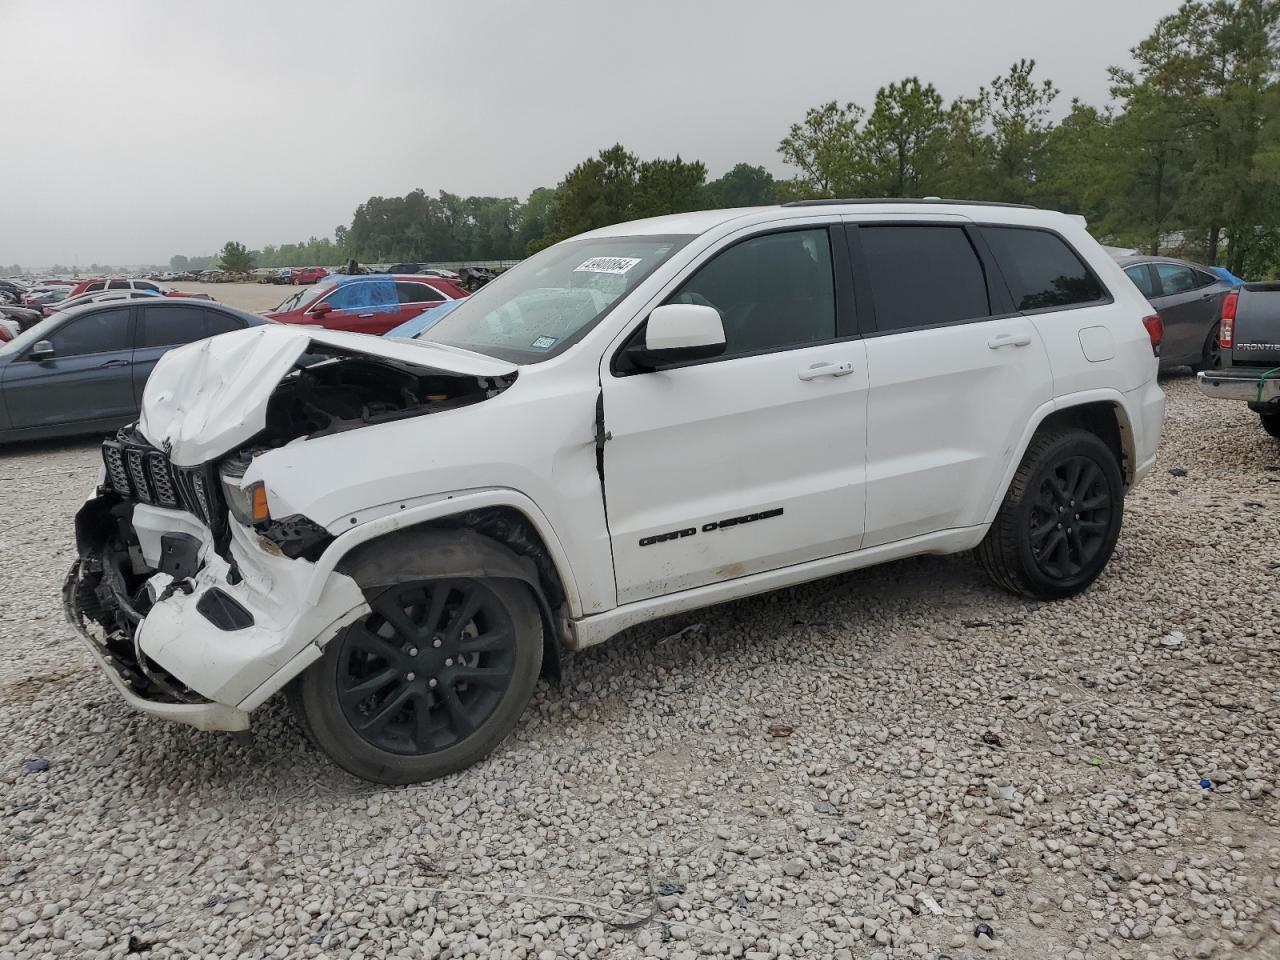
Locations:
(1009, 340)
(827, 369)
(364, 316)
(113, 363)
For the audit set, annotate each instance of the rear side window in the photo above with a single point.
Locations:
(1042, 271)
(95, 286)
(118, 285)
(1175, 278)
(222, 322)
(923, 275)
(772, 292)
(1141, 277)
(417, 293)
(169, 326)
(105, 331)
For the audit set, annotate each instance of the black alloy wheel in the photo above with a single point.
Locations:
(427, 667)
(1070, 518)
(429, 681)
(1060, 518)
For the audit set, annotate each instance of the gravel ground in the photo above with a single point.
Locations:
(243, 296)
(956, 757)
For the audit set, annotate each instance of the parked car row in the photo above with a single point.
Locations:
(369, 303)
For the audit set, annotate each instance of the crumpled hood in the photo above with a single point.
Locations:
(208, 397)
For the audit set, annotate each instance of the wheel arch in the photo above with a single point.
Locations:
(486, 543)
(1101, 412)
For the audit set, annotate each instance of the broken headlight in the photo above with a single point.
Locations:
(247, 502)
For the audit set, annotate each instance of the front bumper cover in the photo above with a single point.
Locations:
(127, 678)
(190, 633)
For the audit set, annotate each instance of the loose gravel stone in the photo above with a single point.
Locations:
(948, 741)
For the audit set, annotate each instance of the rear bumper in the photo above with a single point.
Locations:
(1240, 383)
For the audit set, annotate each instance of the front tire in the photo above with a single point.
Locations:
(1271, 423)
(427, 683)
(1060, 518)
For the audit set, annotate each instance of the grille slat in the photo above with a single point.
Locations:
(140, 472)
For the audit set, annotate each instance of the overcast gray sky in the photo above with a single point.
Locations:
(137, 129)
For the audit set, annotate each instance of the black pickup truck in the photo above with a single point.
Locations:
(1250, 340)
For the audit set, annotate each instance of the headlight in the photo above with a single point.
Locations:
(248, 504)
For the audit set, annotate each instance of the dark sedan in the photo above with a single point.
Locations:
(1188, 296)
(82, 371)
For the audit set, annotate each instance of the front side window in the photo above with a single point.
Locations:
(545, 304)
(1141, 277)
(1175, 278)
(167, 326)
(923, 275)
(772, 292)
(1041, 270)
(365, 295)
(104, 331)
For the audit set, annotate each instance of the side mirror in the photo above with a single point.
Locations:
(677, 333)
(43, 350)
(322, 309)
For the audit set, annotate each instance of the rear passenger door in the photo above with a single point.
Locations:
(161, 327)
(414, 299)
(1189, 305)
(954, 375)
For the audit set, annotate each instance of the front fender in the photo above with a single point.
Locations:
(447, 505)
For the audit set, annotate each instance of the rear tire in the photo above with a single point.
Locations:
(1060, 518)
(427, 683)
(1210, 353)
(1271, 423)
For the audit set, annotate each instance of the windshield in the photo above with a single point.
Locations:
(304, 295)
(543, 305)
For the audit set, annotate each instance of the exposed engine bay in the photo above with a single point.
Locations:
(346, 392)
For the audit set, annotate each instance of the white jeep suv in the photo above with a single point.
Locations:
(645, 419)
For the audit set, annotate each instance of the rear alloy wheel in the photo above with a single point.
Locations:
(428, 682)
(1210, 353)
(1060, 519)
(1271, 423)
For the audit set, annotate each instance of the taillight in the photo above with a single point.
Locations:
(1155, 330)
(1227, 325)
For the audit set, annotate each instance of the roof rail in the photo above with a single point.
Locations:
(938, 200)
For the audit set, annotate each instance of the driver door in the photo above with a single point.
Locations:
(88, 379)
(755, 459)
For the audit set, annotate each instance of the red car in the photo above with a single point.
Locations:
(305, 276)
(366, 304)
(120, 283)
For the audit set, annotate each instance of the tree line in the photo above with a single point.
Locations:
(1184, 159)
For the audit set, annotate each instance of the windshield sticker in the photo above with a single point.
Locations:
(544, 343)
(618, 265)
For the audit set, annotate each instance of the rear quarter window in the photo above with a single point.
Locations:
(1042, 271)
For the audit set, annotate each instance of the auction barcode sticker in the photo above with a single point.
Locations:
(607, 265)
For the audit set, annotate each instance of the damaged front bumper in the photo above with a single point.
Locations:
(123, 670)
(191, 630)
